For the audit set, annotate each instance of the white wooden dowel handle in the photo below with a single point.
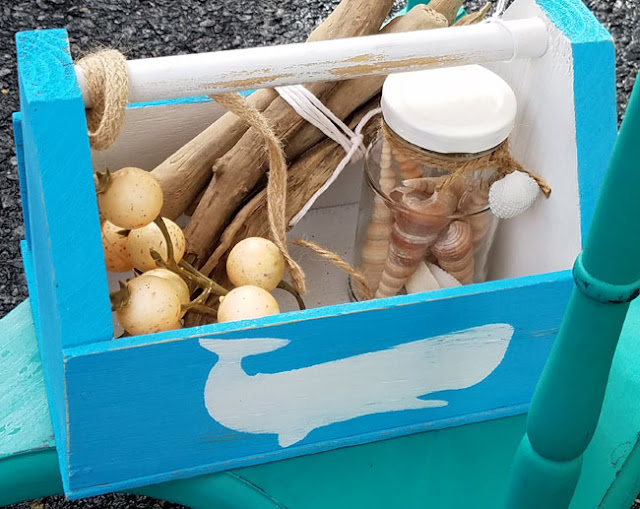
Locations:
(172, 77)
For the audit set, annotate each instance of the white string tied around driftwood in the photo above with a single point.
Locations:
(309, 107)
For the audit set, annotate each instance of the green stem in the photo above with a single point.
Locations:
(202, 298)
(183, 268)
(211, 284)
(205, 310)
(283, 285)
(119, 298)
(165, 233)
(102, 179)
(204, 283)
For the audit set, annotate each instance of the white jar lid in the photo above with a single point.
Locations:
(466, 109)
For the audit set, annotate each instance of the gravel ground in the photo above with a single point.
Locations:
(144, 28)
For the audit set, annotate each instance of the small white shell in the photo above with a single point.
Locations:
(512, 195)
(444, 279)
(422, 280)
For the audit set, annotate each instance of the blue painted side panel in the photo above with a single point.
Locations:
(45, 297)
(67, 250)
(575, 20)
(147, 401)
(19, 146)
(594, 96)
(42, 295)
(30, 276)
(68, 271)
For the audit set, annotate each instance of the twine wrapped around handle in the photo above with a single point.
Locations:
(105, 73)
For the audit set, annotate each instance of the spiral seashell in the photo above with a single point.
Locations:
(419, 218)
(375, 252)
(423, 212)
(403, 257)
(408, 166)
(374, 249)
(512, 195)
(387, 175)
(429, 257)
(454, 251)
(424, 184)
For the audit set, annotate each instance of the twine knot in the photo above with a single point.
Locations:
(105, 74)
(498, 160)
(309, 107)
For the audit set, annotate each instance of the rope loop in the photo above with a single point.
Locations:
(105, 73)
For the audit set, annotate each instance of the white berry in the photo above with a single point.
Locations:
(142, 240)
(255, 261)
(246, 302)
(114, 245)
(153, 306)
(133, 198)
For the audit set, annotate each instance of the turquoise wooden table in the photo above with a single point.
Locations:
(563, 460)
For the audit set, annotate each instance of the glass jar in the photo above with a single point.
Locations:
(424, 220)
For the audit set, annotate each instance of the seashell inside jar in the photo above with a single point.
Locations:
(432, 219)
(425, 221)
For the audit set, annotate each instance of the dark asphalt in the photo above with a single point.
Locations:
(144, 28)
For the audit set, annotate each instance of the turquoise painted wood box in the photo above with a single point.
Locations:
(146, 409)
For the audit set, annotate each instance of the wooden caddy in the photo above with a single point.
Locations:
(135, 411)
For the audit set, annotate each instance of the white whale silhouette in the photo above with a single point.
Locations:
(293, 403)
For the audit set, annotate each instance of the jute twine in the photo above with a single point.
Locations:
(105, 74)
(277, 194)
(499, 160)
(367, 294)
(277, 182)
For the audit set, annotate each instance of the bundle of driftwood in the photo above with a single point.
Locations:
(219, 177)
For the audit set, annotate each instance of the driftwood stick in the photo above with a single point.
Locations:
(184, 174)
(306, 175)
(474, 17)
(237, 173)
(449, 8)
(351, 94)
(240, 169)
